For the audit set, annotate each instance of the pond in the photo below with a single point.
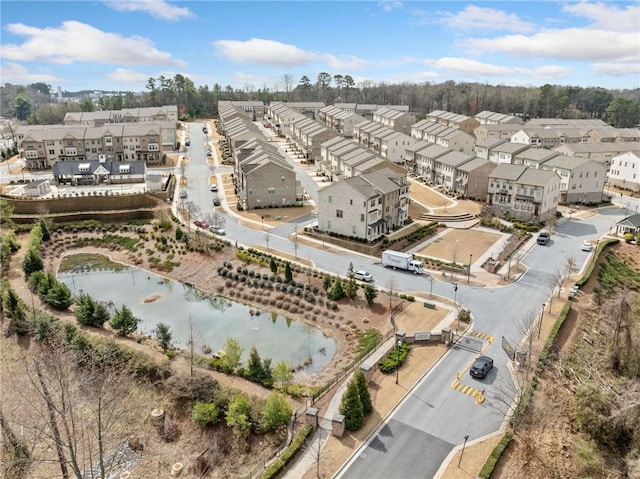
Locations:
(155, 299)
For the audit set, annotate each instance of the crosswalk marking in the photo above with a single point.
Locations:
(464, 389)
(478, 334)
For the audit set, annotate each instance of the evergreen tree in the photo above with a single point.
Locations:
(351, 407)
(282, 374)
(14, 309)
(288, 276)
(124, 322)
(254, 371)
(273, 265)
(59, 296)
(32, 262)
(205, 413)
(232, 355)
(46, 234)
(363, 392)
(370, 294)
(90, 312)
(276, 412)
(326, 282)
(350, 286)
(163, 336)
(337, 293)
(239, 416)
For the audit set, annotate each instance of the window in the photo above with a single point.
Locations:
(362, 217)
(271, 190)
(339, 213)
(354, 230)
(330, 199)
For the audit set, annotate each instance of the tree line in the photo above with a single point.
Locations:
(620, 108)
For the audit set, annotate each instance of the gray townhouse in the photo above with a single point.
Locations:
(456, 139)
(581, 180)
(425, 161)
(602, 152)
(152, 114)
(254, 109)
(483, 148)
(410, 155)
(366, 206)
(331, 153)
(395, 119)
(266, 180)
(453, 120)
(539, 137)
(472, 179)
(308, 136)
(523, 193)
(503, 131)
(504, 152)
(493, 118)
(445, 169)
(340, 120)
(44, 145)
(533, 157)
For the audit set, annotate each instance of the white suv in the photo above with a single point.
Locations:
(363, 275)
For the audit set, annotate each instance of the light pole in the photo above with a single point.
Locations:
(541, 316)
(455, 294)
(466, 438)
(469, 270)
(430, 286)
(398, 344)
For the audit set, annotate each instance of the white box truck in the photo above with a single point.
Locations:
(398, 259)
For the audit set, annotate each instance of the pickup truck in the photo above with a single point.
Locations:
(544, 238)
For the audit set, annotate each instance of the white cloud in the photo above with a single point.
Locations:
(607, 16)
(78, 42)
(617, 69)
(270, 52)
(467, 66)
(156, 8)
(479, 18)
(16, 73)
(545, 72)
(389, 6)
(123, 75)
(567, 44)
(258, 50)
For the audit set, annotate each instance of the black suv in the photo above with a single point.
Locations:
(544, 238)
(481, 367)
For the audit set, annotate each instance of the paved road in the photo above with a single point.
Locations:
(434, 418)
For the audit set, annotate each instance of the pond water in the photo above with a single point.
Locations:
(155, 299)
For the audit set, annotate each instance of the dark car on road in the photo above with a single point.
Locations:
(481, 367)
(216, 202)
(544, 238)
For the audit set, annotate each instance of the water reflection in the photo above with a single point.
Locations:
(214, 318)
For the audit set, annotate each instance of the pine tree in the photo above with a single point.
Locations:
(288, 276)
(254, 371)
(326, 282)
(350, 286)
(163, 336)
(124, 322)
(273, 265)
(337, 293)
(370, 294)
(32, 262)
(363, 391)
(351, 407)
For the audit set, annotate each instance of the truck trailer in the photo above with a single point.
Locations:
(398, 259)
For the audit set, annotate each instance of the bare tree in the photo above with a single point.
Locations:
(287, 81)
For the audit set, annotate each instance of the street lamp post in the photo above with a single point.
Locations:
(469, 270)
(398, 344)
(466, 438)
(455, 294)
(540, 323)
(430, 286)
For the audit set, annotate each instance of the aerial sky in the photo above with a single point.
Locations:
(119, 44)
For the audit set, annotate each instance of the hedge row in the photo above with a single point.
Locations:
(278, 465)
(496, 454)
(594, 260)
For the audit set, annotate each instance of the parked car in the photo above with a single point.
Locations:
(481, 367)
(544, 238)
(187, 142)
(216, 201)
(363, 275)
(586, 246)
(213, 188)
(183, 194)
(219, 230)
(201, 224)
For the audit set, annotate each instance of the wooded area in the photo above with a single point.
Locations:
(620, 108)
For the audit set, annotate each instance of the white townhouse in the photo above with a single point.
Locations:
(581, 180)
(524, 193)
(548, 137)
(533, 157)
(445, 169)
(425, 161)
(483, 148)
(602, 152)
(395, 119)
(456, 140)
(625, 171)
(453, 120)
(366, 206)
(393, 146)
(493, 118)
(504, 152)
(502, 131)
(410, 155)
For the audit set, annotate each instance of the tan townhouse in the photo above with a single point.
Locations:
(581, 180)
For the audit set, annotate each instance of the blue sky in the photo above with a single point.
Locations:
(119, 44)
